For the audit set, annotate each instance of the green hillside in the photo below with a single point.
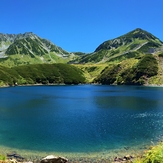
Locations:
(41, 74)
(131, 71)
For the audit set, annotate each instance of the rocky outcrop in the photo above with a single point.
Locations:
(54, 159)
(125, 159)
(14, 157)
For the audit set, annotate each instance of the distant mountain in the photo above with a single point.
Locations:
(29, 48)
(133, 44)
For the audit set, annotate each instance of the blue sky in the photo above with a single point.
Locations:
(80, 25)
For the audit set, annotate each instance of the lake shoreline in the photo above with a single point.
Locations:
(89, 157)
(30, 85)
(62, 84)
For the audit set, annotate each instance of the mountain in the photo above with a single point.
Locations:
(133, 44)
(29, 48)
(133, 58)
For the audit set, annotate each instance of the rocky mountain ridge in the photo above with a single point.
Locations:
(30, 48)
(27, 48)
(133, 44)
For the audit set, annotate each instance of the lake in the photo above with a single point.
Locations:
(80, 118)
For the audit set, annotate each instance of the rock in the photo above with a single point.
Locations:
(13, 161)
(116, 159)
(11, 154)
(54, 159)
(15, 156)
(127, 157)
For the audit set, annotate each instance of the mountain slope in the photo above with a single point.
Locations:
(131, 45)
(41, 74)
(5, 41)
(28, 48)
(126, 72)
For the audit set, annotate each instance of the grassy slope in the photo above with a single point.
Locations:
(91, 71)
(17, 59)
(130, 70)
(158, 79)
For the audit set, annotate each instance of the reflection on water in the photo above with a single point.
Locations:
(80, 118)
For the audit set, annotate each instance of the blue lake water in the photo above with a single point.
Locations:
(83, 118)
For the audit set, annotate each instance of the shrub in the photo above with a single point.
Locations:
(154, 155)
(2, 157)
(147, 66)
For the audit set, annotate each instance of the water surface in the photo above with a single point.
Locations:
(82, 119)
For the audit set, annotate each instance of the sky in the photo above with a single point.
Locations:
(80, 25)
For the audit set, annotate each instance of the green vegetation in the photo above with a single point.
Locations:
(92, 58)
(79, 53)
(109, 75)
(17, 59)
(127, 55)
(91, 71)
(41, 74)
(13, 50)
(7, 76)
(2, 157)
(145, 68)
(149, 47)
(154, 155)
(161, 55)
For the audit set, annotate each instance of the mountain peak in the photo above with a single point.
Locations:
(128, 38)
(26, 35)
(139, 29)
(141, 34)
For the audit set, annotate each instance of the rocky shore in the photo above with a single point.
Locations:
(16, 158)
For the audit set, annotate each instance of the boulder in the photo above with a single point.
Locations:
(127, 157)
(54, 159)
